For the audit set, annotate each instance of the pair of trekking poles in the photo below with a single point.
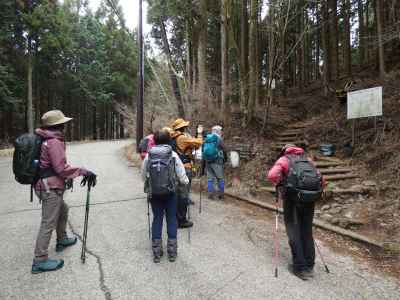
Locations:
(90, 184)
(276, 243)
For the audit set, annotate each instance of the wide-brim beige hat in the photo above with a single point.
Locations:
(53, 118)
(180, 123)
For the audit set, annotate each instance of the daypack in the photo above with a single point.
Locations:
(184, 158)
(26, 158)
(161, 171)
(303, 179)
(210, 148)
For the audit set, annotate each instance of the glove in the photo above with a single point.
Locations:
(90, 178)
(69, 184)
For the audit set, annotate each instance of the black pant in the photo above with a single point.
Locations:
(183, 193)
(298, 222)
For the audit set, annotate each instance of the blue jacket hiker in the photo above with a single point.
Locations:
(214, 157)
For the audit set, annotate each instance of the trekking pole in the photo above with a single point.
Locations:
(148, 216)
(189, 217)
(276, 232)
(200, 205)
(85, 227)
(322, 258)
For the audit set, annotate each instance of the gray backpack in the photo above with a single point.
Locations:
(161, 178)
(303, 180)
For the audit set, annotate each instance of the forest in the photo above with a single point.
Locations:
(222, 58)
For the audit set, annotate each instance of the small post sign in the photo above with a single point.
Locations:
(364, 103)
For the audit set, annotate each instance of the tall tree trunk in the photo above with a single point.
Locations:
(361, 32)
(317, 43)
(244, 54)
(333, 40)
(346, 37)
(202, 55)
(121, 127)
(325, 48)
(94, 124)
(379, 25)
(172, 76)
(367, 31)
(253, 82)
(29, 104)
(225, 107)
(189, 56)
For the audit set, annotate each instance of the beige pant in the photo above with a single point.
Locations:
(54, 217)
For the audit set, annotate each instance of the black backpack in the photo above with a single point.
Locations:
(161, 178)
(26, 158)
(303, 180)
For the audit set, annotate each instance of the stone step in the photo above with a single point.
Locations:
(290, 132)
(329, 159)
(340, 177)
(287, 139)
(299, 125)
(327, 164)
(335, 171)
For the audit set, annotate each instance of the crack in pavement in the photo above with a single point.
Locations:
(225, 285)
(104, 288)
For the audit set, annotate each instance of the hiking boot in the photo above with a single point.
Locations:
(157, 250)
(46, 265)
(65, 242)
(172, 249)
(303, 275)
(309, 272)
(185, 224)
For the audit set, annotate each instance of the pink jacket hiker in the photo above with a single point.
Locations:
(150, 144)
(53, 156)
(281, 167)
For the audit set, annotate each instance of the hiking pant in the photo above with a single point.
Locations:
(54, 217)
(298, 222)
(183, 193)
(215, 175)
(161, 205)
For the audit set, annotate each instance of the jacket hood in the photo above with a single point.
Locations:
(294, 150)
(50, 134)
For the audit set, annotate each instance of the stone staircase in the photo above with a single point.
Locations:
(333, 169)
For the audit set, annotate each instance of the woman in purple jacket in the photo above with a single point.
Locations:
(50, 189)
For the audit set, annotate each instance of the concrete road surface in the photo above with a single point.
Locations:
(229, 257)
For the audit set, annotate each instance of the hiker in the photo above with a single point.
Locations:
(184, 145)
(161, 168)
(300, 185)
(145, 145)
(214, 157)
(54, 173)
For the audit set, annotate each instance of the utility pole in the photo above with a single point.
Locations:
(139, 102)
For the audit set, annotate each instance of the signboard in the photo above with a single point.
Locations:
(364, 103)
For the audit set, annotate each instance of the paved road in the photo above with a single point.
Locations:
(229, 257)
